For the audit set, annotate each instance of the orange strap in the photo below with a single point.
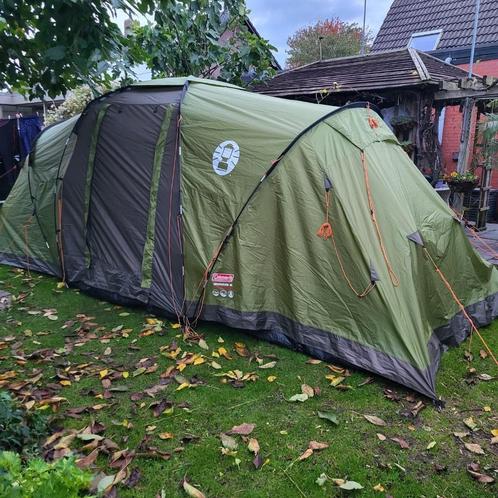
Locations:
(326, 232)
(461, 306)
(373, 215)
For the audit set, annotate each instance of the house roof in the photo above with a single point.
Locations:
(454, 17)
(378, 71)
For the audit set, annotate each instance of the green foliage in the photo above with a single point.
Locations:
(20, 430)
(338, 39)
(488, 129)
(206, 38)
(39, 479)
(52, 47)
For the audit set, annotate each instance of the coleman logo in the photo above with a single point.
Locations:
(225, 157)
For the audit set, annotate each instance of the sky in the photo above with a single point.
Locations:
(276, 20)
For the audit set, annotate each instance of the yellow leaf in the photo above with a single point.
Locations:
(181, 367)
(199, 361)
(379, 488)
(175, 326)
(215, 365)
(214, 354)
(191, 491)
(125, 375)
(60, 285)
(487, 408)
(65, 382)
(221, 340)
(103, 373)
(494, 432)
(151, 321)
(431, 445)
(150, 428)
(271, 378)
(166, 435)
(183, 385)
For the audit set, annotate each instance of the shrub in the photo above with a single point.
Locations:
(39, 479)
(20, 430)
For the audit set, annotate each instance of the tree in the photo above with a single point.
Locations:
(54, 46)
(202, 38)
(338, 39)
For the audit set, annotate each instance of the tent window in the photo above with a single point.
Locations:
(425, 41)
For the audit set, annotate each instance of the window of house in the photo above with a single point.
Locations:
(425, 41)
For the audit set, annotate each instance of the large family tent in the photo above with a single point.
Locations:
(305, 224)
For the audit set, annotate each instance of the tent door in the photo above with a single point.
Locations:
(120, 197)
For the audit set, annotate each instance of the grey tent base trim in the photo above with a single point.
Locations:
(276, 328)
(458, 328)
(28, 263)
(326, 346)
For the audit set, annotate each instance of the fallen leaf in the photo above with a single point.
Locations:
(317, 446)
(379, 488)
(270, 364)
(474, 470)
(313, 361)
(331, 417)
(474, 448)
(308, 390)
(298, 397)
(461, 434)
(203, 344)
(486, 408)
(402, 443)
(470, 423)
(485, 377)
(166, 435)
(321, 479)
(228, 442)
(125, 375)
(253, 445)
(351, 485)
(494, 432)
(191, 491)
(175, 325)
(271, 378)
(431, 445)
(258, 461)
(215, 365)
(381, 436)
(306, 454)
(375, 420)
(243, 429)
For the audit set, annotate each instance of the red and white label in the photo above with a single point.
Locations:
(222, 278)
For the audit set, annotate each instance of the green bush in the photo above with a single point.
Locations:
(39, 479)
(20, 430)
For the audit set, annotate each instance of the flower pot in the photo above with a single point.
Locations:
(462, 186)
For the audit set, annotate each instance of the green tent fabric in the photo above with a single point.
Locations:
(202, 201)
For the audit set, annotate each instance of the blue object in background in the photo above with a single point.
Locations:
(29, 127)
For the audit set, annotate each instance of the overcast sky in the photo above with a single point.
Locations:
(276, 20)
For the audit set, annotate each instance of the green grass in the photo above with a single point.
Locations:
(283, 429)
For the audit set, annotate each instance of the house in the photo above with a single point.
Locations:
(444, 29)
(405, 84)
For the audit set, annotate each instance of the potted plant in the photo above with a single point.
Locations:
(461, 182)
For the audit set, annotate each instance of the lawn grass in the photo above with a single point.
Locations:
(283, 429)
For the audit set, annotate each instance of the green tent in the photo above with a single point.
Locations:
(305, 224)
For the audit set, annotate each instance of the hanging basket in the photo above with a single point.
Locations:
(463, 186)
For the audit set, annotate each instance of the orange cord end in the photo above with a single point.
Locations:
(373, 122)
(325, 231)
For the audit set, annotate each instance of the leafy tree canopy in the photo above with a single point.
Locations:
(338, 39)
(54, 46)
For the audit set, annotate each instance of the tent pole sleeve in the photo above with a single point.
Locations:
(89, 174)
(154, 188)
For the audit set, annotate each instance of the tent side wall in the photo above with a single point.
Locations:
(28, 217)
(120, 198)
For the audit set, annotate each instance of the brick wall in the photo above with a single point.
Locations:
(453, 122)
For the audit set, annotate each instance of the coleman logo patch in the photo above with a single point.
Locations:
(225, 157)
(223, 285)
